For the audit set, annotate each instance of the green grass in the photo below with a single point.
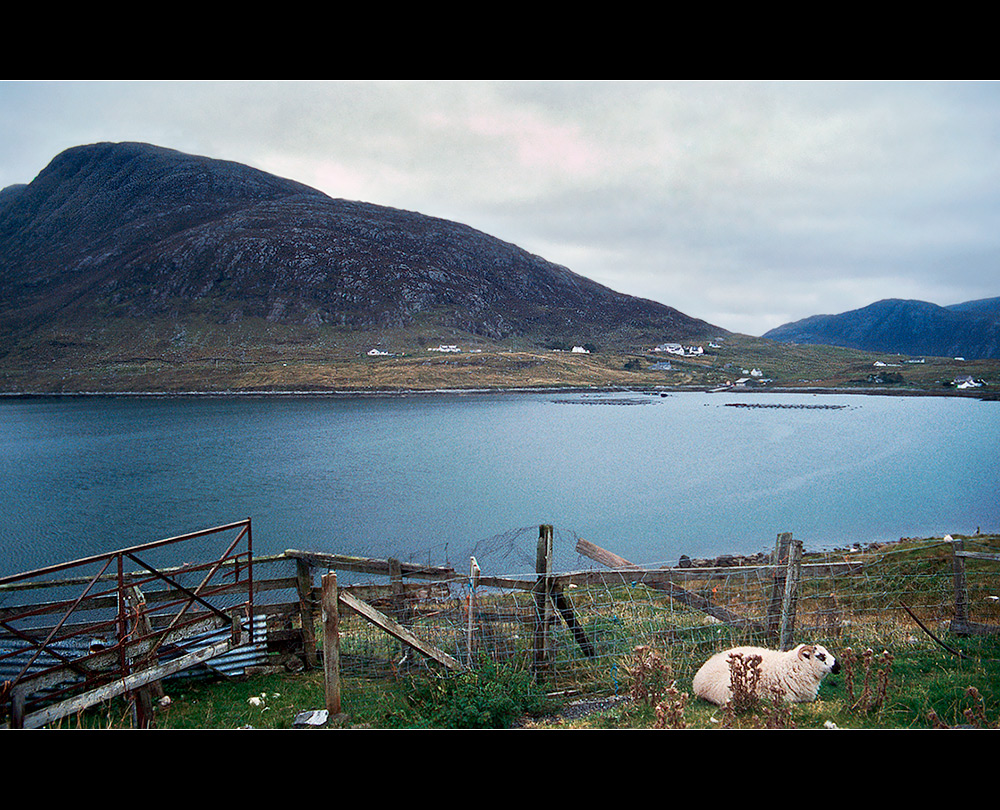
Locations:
(927, 687)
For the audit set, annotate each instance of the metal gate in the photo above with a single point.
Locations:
(117, 623)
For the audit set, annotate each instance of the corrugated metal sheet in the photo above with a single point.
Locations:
(235, 662)
(231, 664)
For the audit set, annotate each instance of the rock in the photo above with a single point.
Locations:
(316, 718)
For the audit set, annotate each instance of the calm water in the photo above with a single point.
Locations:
(435, 477)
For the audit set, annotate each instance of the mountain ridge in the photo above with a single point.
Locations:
(904, 326)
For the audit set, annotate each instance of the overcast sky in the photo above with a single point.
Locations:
(746, 204)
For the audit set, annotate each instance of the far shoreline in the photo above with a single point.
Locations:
(985, 396)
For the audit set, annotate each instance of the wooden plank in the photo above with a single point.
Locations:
(565, 608)
(651, 576)
(605, 557)
(978, 555)
(142, 709)
(121, 685)
(396, 630)
(367, 565)
(779, 573)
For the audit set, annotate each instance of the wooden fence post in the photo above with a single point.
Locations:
(543, 608)
(142, 706)
(307, 611)
(781, 546)
(331, 643)
(791, 594)
(960, 624)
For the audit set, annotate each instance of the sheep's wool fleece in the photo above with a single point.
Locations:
(796, 676)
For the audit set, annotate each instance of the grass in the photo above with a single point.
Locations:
(258, 356)
(926, 688)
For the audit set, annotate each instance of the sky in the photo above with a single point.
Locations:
(747, 204)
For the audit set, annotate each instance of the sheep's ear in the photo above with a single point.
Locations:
(806, 650)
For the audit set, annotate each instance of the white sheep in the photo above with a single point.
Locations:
(796, 673)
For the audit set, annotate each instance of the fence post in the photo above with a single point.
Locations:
(331, 643)
(303, 581)
(142, 707)
(543, 610)
(791, 594)
(778, 586)
(400, 605)
(961, 621)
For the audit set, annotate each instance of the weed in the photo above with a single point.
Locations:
(670, 711)
(746, 708)
(974, 715)
(650, 674)
(744, 678)
(653, 685)
(873, 690)
(489, 696)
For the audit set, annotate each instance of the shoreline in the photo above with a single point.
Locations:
(985, 396)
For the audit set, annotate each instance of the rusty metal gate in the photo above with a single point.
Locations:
(117, 623)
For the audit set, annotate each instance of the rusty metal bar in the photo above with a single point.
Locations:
(54, 569)
(249, 580)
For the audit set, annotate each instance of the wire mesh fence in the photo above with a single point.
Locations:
(574, 617)
(900, 596)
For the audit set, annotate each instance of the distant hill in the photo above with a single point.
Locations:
(970, 330)
(123, 234)
(988, 307)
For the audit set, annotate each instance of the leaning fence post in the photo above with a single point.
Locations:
(331, 643)
(791, 594)
(543, 618)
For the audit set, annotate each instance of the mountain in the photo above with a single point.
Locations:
(988, 307)
(970, 330)
(132, 236)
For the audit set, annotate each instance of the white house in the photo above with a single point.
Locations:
(676, 348)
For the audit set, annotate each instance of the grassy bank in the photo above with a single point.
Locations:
(925, 689)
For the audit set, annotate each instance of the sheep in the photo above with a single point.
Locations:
(796, 674)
